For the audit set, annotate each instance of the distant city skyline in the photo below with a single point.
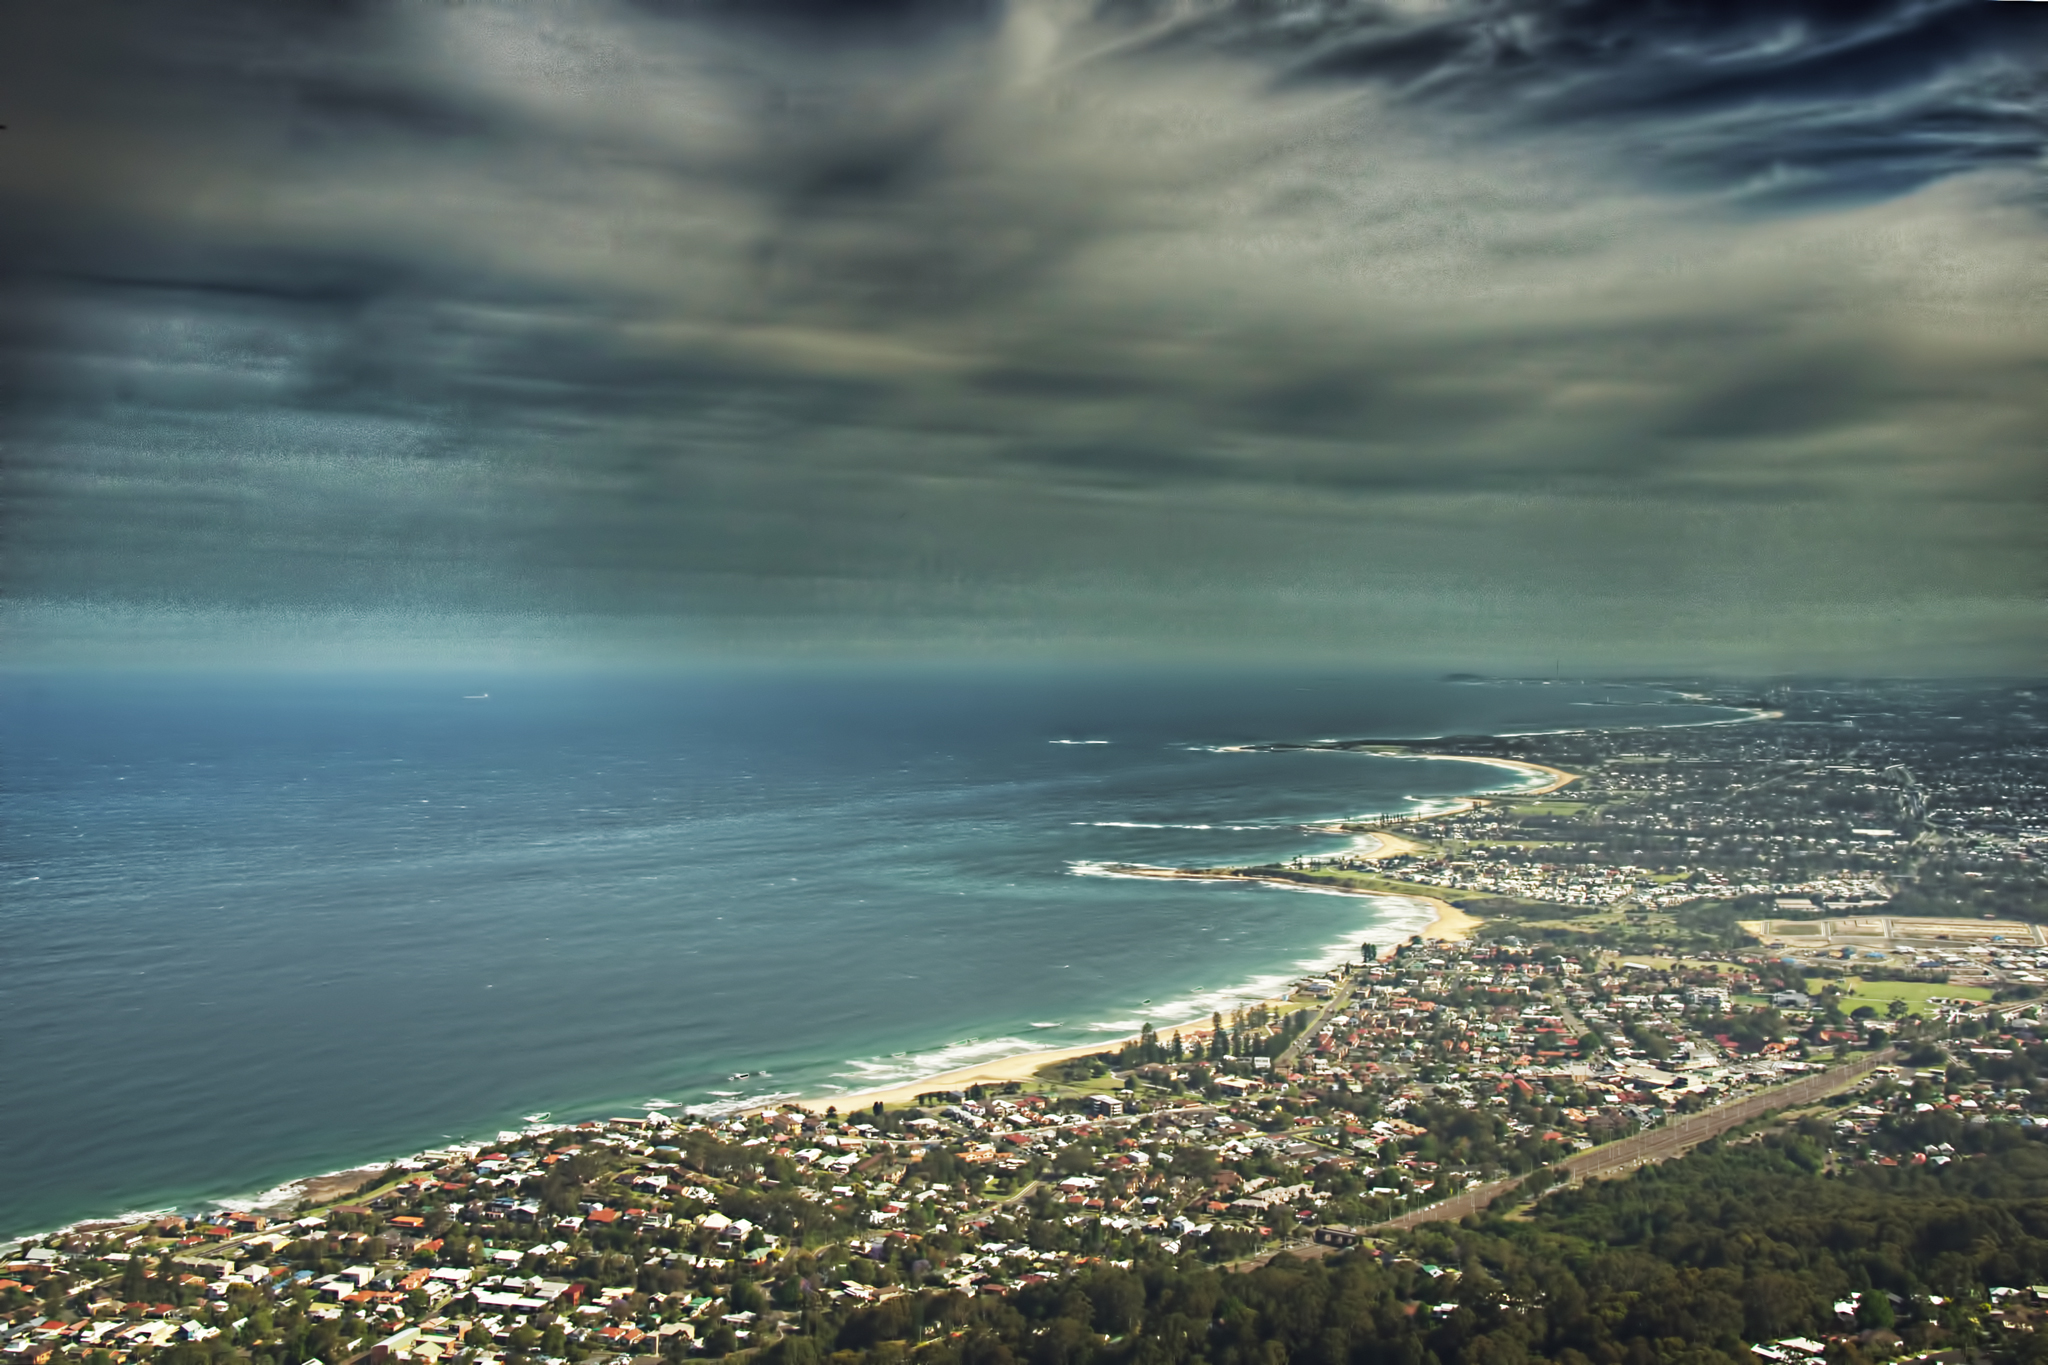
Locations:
(1492, 336)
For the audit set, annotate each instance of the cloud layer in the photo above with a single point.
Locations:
(1475, 334)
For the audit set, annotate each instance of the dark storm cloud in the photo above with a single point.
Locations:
(838, 22)
(1637, 332)
(1776, 98)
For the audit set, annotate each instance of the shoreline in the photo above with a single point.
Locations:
(1449, 924)
(1556, 777)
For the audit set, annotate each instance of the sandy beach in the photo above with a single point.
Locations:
(1385, 845)
(1018, 1068)
(1449, 925)
(1553, 778)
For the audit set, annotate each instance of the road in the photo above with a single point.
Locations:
(1658, 1144)
(1307, 1036)
(1030, 1188)
(1616, 1158)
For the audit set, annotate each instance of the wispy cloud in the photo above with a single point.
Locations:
(1703, 334)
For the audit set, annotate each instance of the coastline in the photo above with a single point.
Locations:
(1554, 777)
(1017, 1067)
(1553, 780)
(1449, 924)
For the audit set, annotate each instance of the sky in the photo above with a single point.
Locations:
(1487, 335)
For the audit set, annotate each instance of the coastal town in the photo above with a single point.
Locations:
(1890, 800)
(1799, 938)
(1387, 1088)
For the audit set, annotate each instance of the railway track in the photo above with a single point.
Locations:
(1673, 1138)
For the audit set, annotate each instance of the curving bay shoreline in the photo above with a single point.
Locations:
(1449, 924)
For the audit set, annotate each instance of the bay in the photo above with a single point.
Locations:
(261, 927)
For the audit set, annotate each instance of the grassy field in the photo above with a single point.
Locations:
(1551, 808)
(1862, 992)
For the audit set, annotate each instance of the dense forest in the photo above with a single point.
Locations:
(1742, 1242)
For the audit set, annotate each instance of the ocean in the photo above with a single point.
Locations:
(257, 928)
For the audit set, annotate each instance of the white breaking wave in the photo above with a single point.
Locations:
(290, 1191)
(871, 1073)
(1152, 824)
(1393, 918)
(112, 1219)
(739, 1102)
(1087, 868)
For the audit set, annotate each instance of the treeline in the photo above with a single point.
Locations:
(2007, 890)
(1685, 1262)
(1259, 1031)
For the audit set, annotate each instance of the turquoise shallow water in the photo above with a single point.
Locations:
(259, 928)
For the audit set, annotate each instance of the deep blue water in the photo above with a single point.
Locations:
(259, 928)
